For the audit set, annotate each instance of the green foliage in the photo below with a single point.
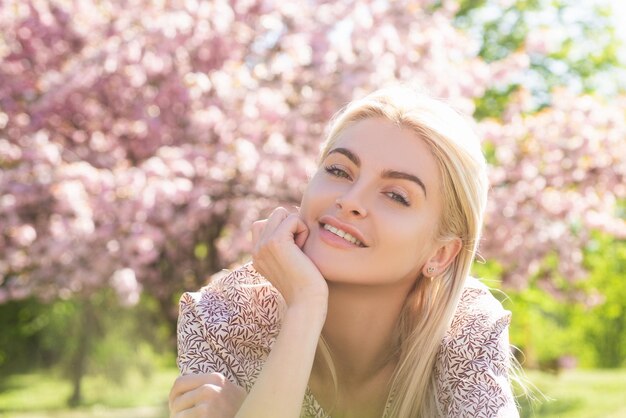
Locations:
(466, 6)
(543, 328)
(117, 341)
(603, 319)
(501, 33)
(33, 334)
(558, 319)
(540, 324)
(201, 251)
(585, 57)
(134, 339)
(494, 101)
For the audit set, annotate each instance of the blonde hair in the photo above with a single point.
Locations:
(430, 305)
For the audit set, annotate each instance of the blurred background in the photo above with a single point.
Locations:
(139, 139)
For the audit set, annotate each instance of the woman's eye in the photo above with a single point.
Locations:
(333, 170)
(399, 198)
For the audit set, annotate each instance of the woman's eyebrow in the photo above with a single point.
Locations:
(349, 154)
(393, 174)
(387, 174)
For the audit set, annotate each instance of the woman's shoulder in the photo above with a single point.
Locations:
(238, 297)
(472, 369)
(478, 328)
(229, 325)
(478, 310)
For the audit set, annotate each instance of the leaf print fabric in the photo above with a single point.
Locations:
(230, 325)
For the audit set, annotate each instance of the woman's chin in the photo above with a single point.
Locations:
(333, 266)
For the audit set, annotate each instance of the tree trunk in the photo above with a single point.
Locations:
(78, 364)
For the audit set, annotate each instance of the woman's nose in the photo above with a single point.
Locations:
(351, 203)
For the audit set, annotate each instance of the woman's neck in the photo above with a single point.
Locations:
(360, 332)
(360, 329)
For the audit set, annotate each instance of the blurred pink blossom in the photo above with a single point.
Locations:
(124, 282)
(137, 146)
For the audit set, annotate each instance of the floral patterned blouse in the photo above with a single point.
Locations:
(230, 325)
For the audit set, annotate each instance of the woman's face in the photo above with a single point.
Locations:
(381, 185)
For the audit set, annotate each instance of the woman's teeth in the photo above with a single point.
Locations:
(343, 234)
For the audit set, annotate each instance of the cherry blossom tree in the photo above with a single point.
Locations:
(557, 176)
(141, 139)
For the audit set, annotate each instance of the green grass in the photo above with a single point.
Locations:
(573, 394)
(579, 394)
(45, 395)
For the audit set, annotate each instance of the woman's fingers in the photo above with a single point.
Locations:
(263, 229)
(292, 228)
(196, 396)
(257, 229)
(266, 229)
(186, 382)
(189, 382)
(275, 219)
(300, 231)
(205, 395)
(278, 256)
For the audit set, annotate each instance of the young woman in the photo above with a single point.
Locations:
(359, 304)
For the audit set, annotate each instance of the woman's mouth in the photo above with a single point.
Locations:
(343, 234)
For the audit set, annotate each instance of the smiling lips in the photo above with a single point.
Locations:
(343, 234)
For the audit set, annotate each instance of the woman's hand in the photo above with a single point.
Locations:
(205, 396)
(278, 256)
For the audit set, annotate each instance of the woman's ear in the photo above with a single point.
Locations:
(443, 256)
